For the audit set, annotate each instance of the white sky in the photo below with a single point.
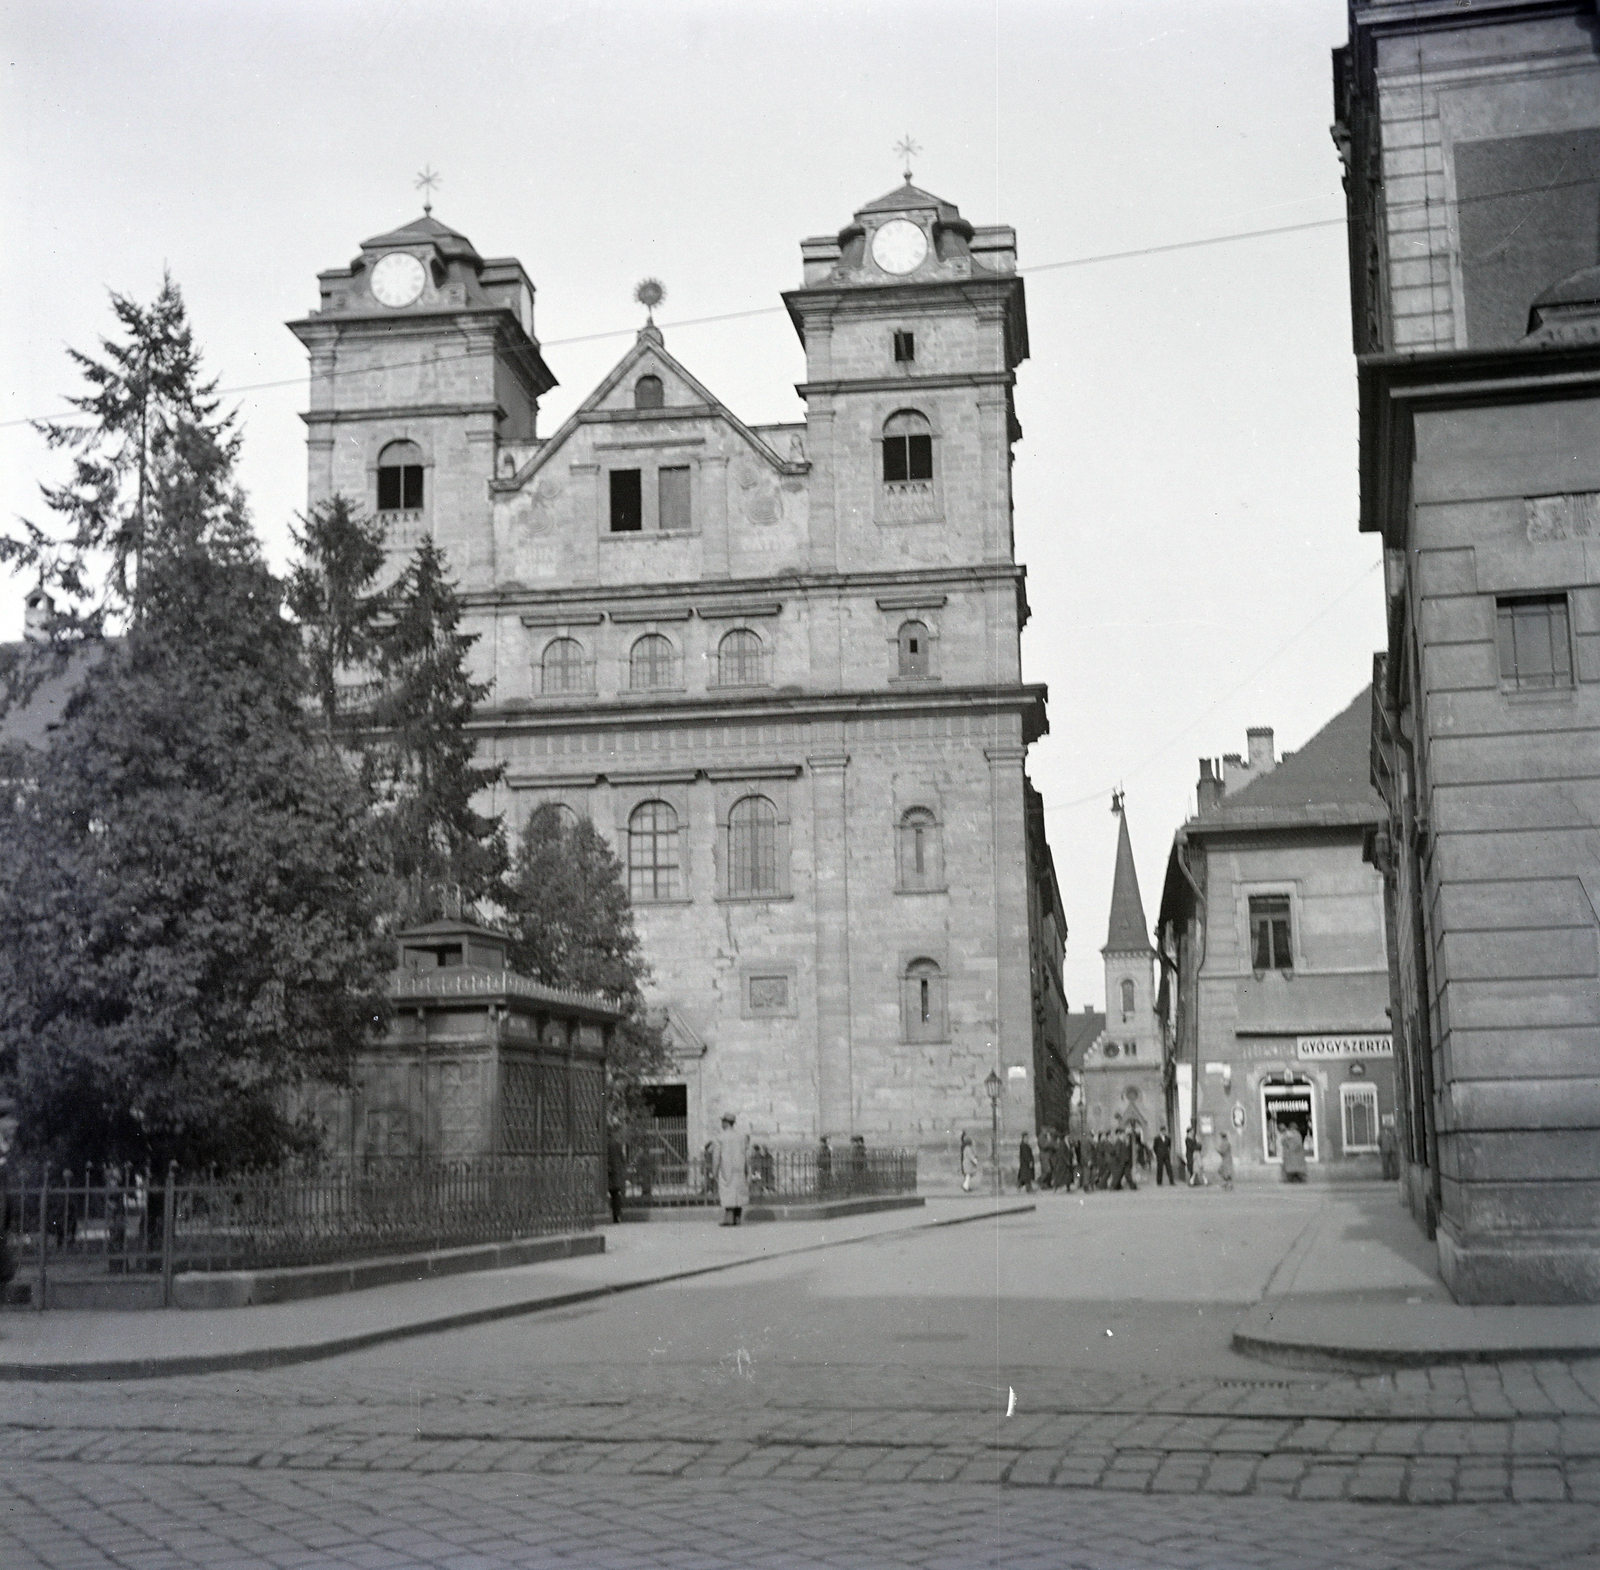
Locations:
(1185, 488)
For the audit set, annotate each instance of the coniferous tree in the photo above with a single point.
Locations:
(571, 921)
(421, 753)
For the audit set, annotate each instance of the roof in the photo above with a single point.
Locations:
(1328, 781)
(1127, 932)
(1083, 1030)
(909, 198)
(426, 229)
(30, 719)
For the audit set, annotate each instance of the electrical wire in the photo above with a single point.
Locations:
(774, 310)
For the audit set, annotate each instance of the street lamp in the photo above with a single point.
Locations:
(994, 1085)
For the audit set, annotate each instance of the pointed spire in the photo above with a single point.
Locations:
(1128, 932)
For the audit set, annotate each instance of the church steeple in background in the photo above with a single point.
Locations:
(1128, 932)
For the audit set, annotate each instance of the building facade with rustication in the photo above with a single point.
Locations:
(779, 666)
(1471, 140)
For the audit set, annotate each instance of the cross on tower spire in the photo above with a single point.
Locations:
(425, 182)
(908, 150)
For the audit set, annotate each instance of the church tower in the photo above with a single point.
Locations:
(423, 367)
(1122, 1071)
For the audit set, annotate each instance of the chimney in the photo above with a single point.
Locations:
(1259, 738)
(38, 611)
(1208, 793)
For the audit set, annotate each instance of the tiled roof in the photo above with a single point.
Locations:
(1326, 780)
(1127, 932)
(1083, 1030)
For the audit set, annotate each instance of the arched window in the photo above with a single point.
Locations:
(1127, 1000)
(651, 663)
(753, 847)
(563, 668)
(921, 854)
(739, 659)
(907, 447)
(922, 1001)
(400, 478)
(653, 852)
(913, 648)
(647, 393)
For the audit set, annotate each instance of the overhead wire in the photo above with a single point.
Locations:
(1096, 259)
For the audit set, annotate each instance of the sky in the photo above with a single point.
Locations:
(1186, 484)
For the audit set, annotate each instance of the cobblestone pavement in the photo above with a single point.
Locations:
(355, 1464)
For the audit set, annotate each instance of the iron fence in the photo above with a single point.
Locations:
(663, 1171)
(131, 1224)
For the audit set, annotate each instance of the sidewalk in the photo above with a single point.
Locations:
(1360, 1290)
(87, 1345)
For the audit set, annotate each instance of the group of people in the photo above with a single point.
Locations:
(1110, 1159)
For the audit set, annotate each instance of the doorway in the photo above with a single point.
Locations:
(1292, 1101)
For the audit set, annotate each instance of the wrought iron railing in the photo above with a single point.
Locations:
(71, 1226)
(662, 1172)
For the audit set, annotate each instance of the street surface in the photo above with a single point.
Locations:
(1053, 1389)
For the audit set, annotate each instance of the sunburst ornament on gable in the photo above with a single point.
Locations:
(650, 292)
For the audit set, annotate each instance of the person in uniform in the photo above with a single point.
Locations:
(732, 1171)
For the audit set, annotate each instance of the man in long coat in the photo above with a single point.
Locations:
(732, 1171)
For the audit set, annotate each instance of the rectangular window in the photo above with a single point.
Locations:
(908, 458)
(400, 488)
(627, 502)
(905, 348)
(1359, 1104)
(1270, 948)
(673, 493)
(1535, 641)
(769, 994)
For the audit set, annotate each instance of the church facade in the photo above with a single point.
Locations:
(779, 666)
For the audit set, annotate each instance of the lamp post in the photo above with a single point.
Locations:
(994, 1085)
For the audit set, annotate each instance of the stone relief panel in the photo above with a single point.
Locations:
(1574, 516)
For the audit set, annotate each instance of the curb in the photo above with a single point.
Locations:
(256, 1359)
(1328, 1358)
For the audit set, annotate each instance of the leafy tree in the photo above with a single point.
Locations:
(152, 469)
(571, 922)
(420, 752)
(331, 595)
(188, 893)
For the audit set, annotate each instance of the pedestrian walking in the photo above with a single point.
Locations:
(1124, 1156)
(1163, 1149)
(616, 1173)
(733, 1171)
(969, 1162)
(1292, 1147)
(1225, 1169)
(1025, 1166)
(1191, 1157)
(1389, 1148)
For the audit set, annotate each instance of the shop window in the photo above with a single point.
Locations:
(400, 482)
(913, 639)
(921, 851)
(563, 668)
(1358, 1106)
(739, 659)
(648, 393)
(627, 502)
(1270, 933)
(907, 448)
(753, 848)
(672, 498)
(1535, 640)
(651, 663)
(653, 863)
(922, 1001)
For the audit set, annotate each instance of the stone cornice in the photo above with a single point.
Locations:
(898, 384)
(402, 411)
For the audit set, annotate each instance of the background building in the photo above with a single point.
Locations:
(1471, 138)
(1122, 1067)
(779, 666)
(1272, 931)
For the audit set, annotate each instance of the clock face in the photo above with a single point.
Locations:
(899, 246)
(398, 279)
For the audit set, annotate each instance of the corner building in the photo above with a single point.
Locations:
(778, 666)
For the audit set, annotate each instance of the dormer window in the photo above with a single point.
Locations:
(907, 447)
(905, 348)
(648, 393)
(400, 487)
